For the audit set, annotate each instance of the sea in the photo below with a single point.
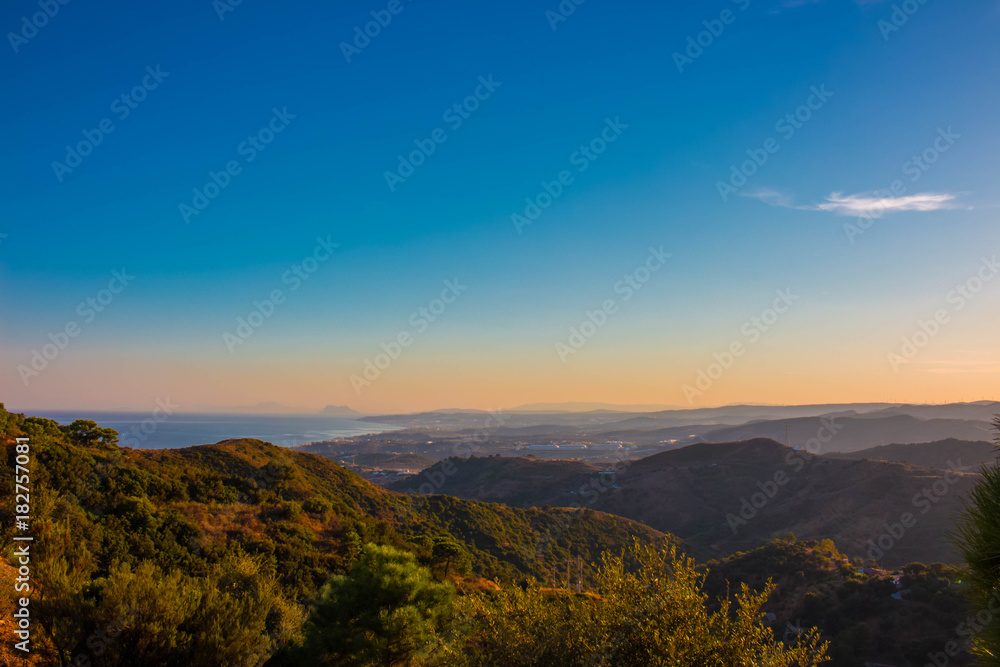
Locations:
(141, 430)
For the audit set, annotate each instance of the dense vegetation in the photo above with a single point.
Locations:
(852, 602)
(243, 553)
(193, 528)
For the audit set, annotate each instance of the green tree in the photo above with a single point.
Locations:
(86, 433)
(387, 611)
(650, 610)
(10, 423)
(978, 539)
(447, 551)
(352, 545)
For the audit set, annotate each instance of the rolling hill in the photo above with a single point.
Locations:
(705, 495)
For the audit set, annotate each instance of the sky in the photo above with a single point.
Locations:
(418, 204)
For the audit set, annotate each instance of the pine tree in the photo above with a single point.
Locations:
(387, 611)
(978, 539)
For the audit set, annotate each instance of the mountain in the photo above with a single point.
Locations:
(978, 411)
(863, 425)
(705, 494)
(938, 454)
(587, 407)
(339, 411)
(857, 432)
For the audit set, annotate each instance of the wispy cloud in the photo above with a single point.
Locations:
(960, 367)
(871, 204)
(771, 197)
(874, 205)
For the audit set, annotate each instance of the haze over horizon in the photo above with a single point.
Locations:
(682, 284)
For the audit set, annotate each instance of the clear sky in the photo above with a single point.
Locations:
(694, 166)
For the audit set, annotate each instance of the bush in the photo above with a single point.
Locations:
(318, 505)
(655, 616)
(290, 510)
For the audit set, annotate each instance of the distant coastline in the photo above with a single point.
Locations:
(157, 430)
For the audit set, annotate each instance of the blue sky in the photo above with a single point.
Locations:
(323, 176)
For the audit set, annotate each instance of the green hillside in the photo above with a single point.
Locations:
(102, 513)
(856, 608)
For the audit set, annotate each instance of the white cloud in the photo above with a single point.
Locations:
(875, 205)
(770, 197)
(871, 204)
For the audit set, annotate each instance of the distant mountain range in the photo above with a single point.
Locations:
(857, 432)
(727, 497)
(587, 407)
(273, 408)
(930, 454)
(858, 425)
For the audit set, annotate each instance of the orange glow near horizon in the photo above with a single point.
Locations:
(422, 384)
